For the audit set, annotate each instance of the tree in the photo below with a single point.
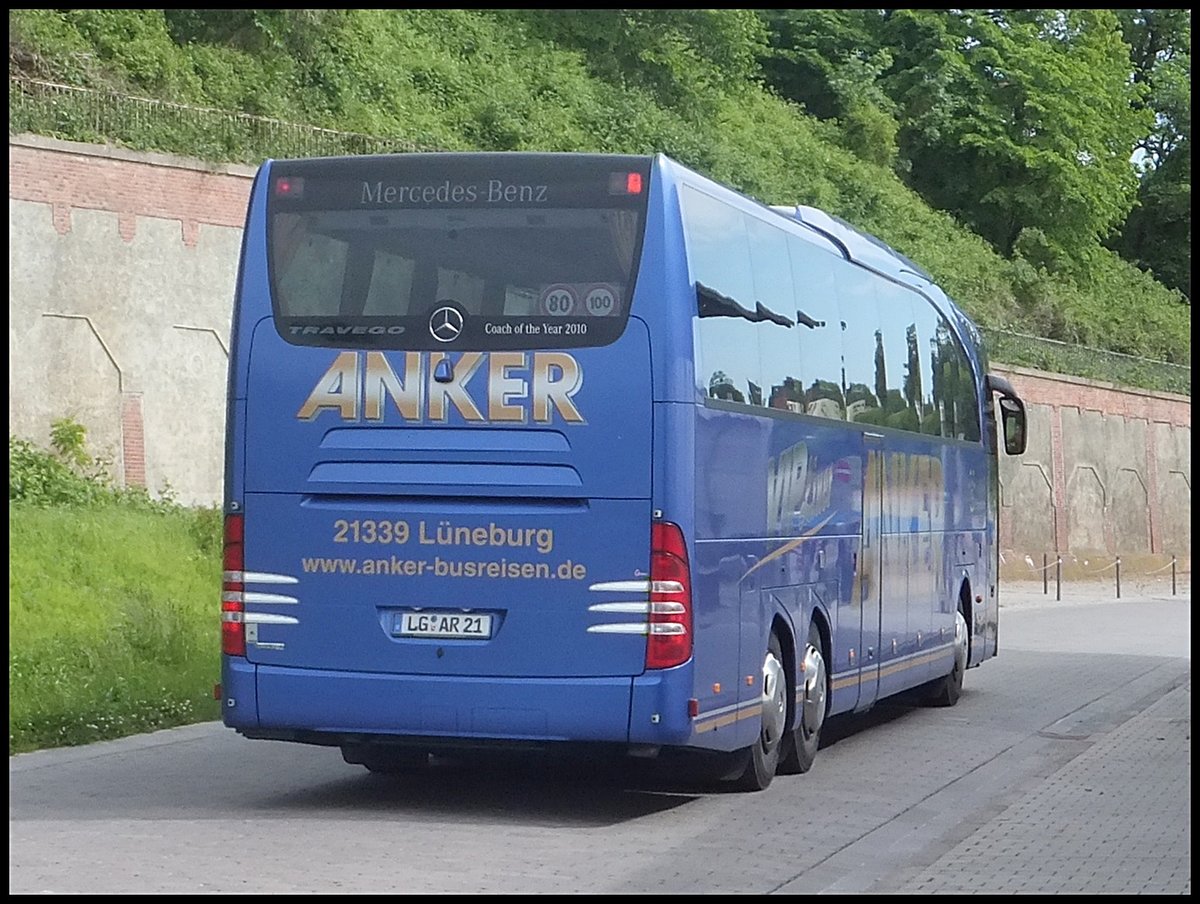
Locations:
(683, 56)
(829, 61)
(1157, 235)
(1019, 119)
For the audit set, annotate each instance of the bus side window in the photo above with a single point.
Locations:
(958, 387)
(778, 344)
(897, 357)
(818, 331)
(862, 352)
(719, 256)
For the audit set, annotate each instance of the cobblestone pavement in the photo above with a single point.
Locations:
(1125, 801)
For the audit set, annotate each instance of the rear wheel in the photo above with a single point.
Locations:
(945, 691)
(764, 753)
(800, 745)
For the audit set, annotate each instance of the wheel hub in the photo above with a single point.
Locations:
(814, 689)
(960, 641)
(774, 702)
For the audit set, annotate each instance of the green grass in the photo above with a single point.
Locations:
(113, 621)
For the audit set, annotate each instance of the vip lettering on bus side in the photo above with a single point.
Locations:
(494, 191)
(522, 387)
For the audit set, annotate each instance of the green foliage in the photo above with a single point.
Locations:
(113, 624)
(45, 44)
(830, 62)
(1157, 236)
(870, 134)
(37, 477)
(1033, 125)
(68, 475)
(112, 620)
(1160, 42)
(682, 57)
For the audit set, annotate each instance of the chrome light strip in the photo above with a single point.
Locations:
(258, 577)
(268, 618)
(638, 586)
(622, 587)
(632, 607)
(250, 596)
(620, 628)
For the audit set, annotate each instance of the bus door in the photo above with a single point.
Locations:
(870, 584)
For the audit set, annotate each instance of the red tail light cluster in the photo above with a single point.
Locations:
(670, 641)
(233, 628)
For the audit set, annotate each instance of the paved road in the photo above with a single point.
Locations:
(1081, 787)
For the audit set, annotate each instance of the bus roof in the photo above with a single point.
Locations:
(858, 245)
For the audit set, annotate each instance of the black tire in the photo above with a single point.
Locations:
(764, 753)
(801, 743)
(946, 690)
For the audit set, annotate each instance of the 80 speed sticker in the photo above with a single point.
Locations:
(559, 300)
(579, 299)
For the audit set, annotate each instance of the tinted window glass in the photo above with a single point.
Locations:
(953, 386)
(778, 346)
(818, 329)
(787, 324)
(864, 377)
(718, 248)
(526, 250)
(898, 349)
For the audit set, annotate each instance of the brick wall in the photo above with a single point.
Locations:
(70, 177)
(1120, 458)
(121, 285)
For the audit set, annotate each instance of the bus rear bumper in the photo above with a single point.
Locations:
(321, 706)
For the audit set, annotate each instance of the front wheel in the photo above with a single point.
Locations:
(764, 754)
(800, 746)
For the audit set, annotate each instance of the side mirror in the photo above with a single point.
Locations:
(1012, 414)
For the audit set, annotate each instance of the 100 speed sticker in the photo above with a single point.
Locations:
(579, 300)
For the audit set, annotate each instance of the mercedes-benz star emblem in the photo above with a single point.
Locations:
(445, 324)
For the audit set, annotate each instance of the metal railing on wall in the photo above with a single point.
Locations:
(218, 136)
(1082, 361)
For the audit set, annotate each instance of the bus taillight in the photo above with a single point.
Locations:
(670, 641)
(625, 184)
(289, 187)
(233, 629)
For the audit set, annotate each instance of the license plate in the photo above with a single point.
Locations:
(469, 625)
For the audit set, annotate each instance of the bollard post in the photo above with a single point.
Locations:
(1058, 579)
(1118, 577)
(1045, 574)
(1172, 575)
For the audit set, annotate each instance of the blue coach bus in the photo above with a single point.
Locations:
(552, 449)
